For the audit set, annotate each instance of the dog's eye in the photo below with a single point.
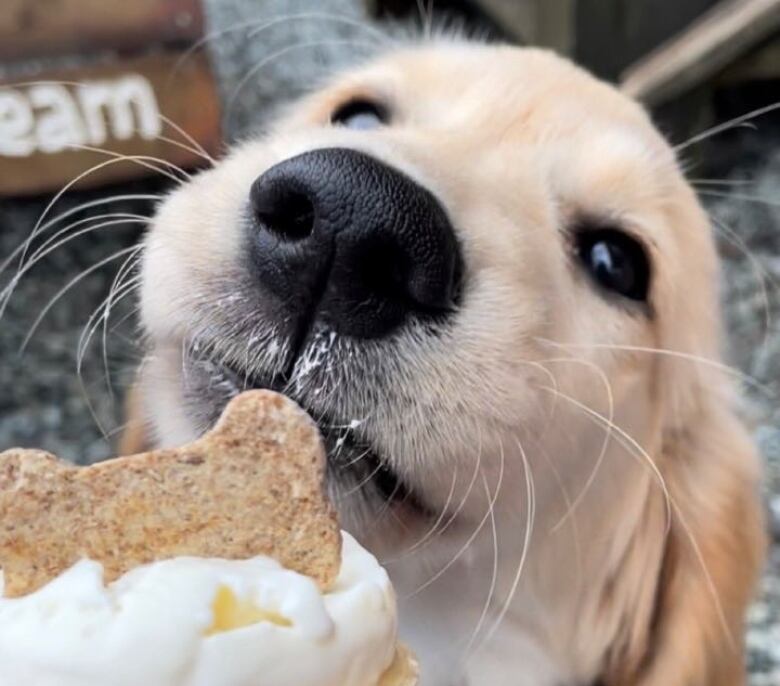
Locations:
(361, 115)
(616, 261)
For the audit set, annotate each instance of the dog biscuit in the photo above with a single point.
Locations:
(254, 485)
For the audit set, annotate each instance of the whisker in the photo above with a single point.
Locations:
(343, 20)
(67, 287)
(116, 293)
(757, 199)
(80, 177)
(567, 503)
(607, 435)
(155, 164)
(8, 291)
(424, 541)
(231, 103)
(258, 26)
(198, 152)
(762, 275)
(713, 591)
(363, 483)
(196, 147)
(69, 213)
(87, 333)
(721, 182)
(637, 451)
(727, 126)
(120, 217)
(689, 357)
(529, 527)
(434, 527)
(493, 576)
(471, 538)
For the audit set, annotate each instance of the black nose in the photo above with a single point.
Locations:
(339, 237)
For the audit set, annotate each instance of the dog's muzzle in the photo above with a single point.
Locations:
(343, 240)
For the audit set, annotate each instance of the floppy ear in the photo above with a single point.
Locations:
(712, 554)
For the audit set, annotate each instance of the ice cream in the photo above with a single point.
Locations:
(202, 622)
(219, 563)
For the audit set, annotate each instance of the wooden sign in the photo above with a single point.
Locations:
(49, 126)
(35, 28)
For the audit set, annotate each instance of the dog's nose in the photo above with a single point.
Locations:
(343, 238)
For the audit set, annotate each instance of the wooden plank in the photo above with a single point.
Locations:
(120, 107)
(728, 31)
(35, 28)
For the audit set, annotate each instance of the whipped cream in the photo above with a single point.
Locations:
(171, 623)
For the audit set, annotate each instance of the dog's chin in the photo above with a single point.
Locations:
(361, 481)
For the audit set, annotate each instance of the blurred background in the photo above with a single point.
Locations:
(105, 105)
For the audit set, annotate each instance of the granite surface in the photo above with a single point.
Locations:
(286, 48)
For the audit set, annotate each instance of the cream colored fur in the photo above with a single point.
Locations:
(607, 526)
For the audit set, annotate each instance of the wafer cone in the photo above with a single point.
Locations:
(404, 671)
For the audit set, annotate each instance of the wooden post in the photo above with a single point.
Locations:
(709, 45)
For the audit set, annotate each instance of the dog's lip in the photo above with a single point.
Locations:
(381, 475)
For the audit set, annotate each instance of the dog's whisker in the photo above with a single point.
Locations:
(467, 544)
(688, 357)
(198, 152)
(251, 73)
(721, 182)
(23, 247)
(124, 283)
(81, 349)
(493, 577)
(362, 484)
(711, 587)
(343, 20)
(258, 26)
(68, 186)
(150, 162)
(744, 120)
(626, 440)
(567, 502)
(195, 147)
(438, 528)
(7, 293)
(757, 199)
(529, 528)
(90, 329)
(607, 435)
(118, 219)
(762, 275)
(75, 280)
(433, 529)
(384, 510)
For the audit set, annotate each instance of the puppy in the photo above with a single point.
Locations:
(483, 272)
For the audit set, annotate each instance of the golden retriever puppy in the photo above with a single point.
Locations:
(483, 272)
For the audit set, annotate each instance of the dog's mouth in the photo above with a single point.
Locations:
(356, 468)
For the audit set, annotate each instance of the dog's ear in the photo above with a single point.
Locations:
(134, 437)
(712, 554)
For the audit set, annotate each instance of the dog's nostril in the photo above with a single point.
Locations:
(283, 209)
(347, 240)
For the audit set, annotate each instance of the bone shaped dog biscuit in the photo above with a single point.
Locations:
(252, 486)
